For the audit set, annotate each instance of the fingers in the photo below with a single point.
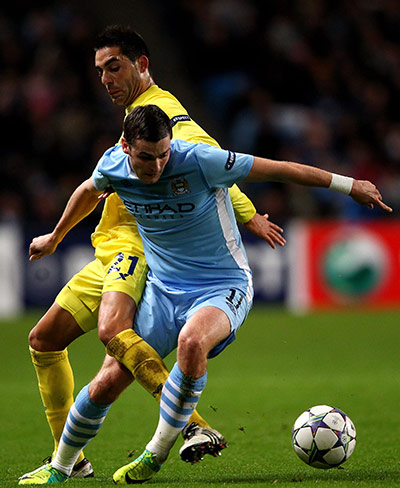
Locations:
(275, 234)
(366, 193)
(106, 193)
(34, 254)
(379, 202)
(276, 227)
(276, 238)
(37, 248)
(280, 240)
(384, 207)
(270, 242)
(276, 231)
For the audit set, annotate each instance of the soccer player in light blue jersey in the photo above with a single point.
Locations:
(199, 288)
(186, 221)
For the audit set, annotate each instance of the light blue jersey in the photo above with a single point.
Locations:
(186, 220)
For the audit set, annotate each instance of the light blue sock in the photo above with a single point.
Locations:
(179, 398)
(84, 421)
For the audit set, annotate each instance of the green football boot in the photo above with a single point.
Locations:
(42, 476)
(138, 471)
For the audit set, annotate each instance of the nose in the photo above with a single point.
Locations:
(159, 164)
(155, 167)
(106, 78)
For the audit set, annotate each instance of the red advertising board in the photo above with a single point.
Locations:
(345, 264)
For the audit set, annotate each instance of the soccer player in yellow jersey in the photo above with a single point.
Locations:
(105, 292)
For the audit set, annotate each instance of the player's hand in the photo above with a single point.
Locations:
(366, 193)
(261, 227)
(106, 193)
(42, 246)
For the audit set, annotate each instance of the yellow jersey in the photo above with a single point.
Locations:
(117, 226)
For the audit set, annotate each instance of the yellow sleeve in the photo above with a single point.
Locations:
(242, 205)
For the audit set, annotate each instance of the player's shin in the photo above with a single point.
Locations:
(84, 421)
(56, 386)
(141, 359)
(179, 397)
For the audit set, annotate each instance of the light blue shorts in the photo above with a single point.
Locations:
(164, 310)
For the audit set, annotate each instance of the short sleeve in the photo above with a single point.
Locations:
(100, 181)
(222, 168)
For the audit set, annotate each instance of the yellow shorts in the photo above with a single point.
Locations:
(81, 296)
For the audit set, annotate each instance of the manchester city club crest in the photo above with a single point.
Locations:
(180, 186)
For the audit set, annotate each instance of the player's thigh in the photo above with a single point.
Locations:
(124, 283)
(126, 273)
(206, 328)
(116, 313)
(112, 379)
(233, 306)
(155, 319)
(74, 311)
(81, 296)
(54, 331)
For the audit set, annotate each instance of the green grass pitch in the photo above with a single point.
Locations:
(280, 365)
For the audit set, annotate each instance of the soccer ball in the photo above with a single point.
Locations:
(323, 437)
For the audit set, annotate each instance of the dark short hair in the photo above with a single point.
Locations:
(129, 41)
(147, 122)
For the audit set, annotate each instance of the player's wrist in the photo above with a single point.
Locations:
(342, 184)
(57, 236)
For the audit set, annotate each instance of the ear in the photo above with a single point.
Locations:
(142, 63)
(125, 145)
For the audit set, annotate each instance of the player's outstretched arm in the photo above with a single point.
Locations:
(362, 192)
(81, 203)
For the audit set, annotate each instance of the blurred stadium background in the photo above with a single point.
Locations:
(310, 81)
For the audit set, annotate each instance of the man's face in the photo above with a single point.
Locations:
(122, 78)
(148, 159)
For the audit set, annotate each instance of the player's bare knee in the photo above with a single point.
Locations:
(34, 339)
(40, 341)
(105, 333)
(111, 326)
(191, 345)
(55, 330)
(115, 315)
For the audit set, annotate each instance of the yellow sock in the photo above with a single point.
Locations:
(145, 364)
(196, 417)
(56, 386)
